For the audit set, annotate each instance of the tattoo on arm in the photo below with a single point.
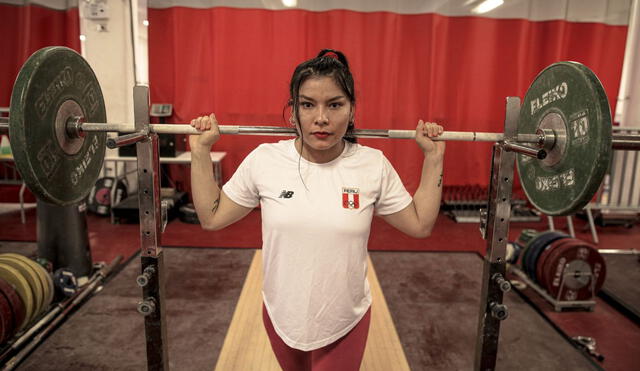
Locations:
(215, 205)
(440, 181)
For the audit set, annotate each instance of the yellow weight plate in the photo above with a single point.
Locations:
(21, 285)
(45, 278)
(32, 277)
(50, 288)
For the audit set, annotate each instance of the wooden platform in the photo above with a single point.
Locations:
(246, 346)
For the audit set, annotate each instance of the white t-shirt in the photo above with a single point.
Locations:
(314, 234)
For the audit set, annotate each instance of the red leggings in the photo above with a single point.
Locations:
(344, 354)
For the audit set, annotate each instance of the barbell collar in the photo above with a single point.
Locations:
(547, 138)
(74, 127)
(127, 139)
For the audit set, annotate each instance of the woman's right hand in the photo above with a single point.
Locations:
(210, 132)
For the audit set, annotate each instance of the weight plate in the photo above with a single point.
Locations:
(540, 264)
(45, 278)
(577, 259)
(513, 252)
(535, 254)
(535, 247)
(187, 214)
(55, 84)
(6, 319)
(32, 277)
(17, 306)
(526, 251)
(49, 285)
(531, 246)
(568, 98)
(527, 235)
(65, 281)
(23, 289)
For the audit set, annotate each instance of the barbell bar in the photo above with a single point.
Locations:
(75, 128)
(619, 141)
(179, 128)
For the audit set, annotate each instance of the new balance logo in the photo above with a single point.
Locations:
(286, 194)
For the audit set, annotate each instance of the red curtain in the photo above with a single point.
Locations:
(454, 70)
(24, 30)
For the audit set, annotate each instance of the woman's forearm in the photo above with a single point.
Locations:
(427, 197)
(204, 189)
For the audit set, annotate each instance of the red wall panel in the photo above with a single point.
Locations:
(24, 30)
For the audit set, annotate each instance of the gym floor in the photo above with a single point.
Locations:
(431, 287)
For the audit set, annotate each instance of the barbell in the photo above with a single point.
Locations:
(57, 126)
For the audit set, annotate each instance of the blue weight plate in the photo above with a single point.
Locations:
(536, 247)
(527, 250)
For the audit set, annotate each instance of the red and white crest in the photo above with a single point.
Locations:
(350, 198)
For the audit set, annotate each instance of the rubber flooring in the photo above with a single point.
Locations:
(433, 299)
(623, 276)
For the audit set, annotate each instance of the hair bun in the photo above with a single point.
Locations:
(336, 54)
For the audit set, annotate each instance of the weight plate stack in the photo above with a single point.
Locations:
(580, 264)
(18, 312)
(44, 279)
(188, 214)
(540, 264)
(99, 200)
(32, 278)
(534, 248)
(6, 319)
(21, 285)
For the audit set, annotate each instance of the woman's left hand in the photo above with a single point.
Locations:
(424, 132)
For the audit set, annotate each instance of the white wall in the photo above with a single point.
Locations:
(108, 46)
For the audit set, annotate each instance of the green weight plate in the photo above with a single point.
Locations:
(17, 306)
(54, 84)
(21, 286)
(567, 98)
(45, 278)
(527, 235)
(32, 277)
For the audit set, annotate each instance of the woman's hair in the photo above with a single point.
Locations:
(331, 63)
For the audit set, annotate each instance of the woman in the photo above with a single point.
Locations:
(318, 194)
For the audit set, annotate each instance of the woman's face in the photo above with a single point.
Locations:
(324, 111)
